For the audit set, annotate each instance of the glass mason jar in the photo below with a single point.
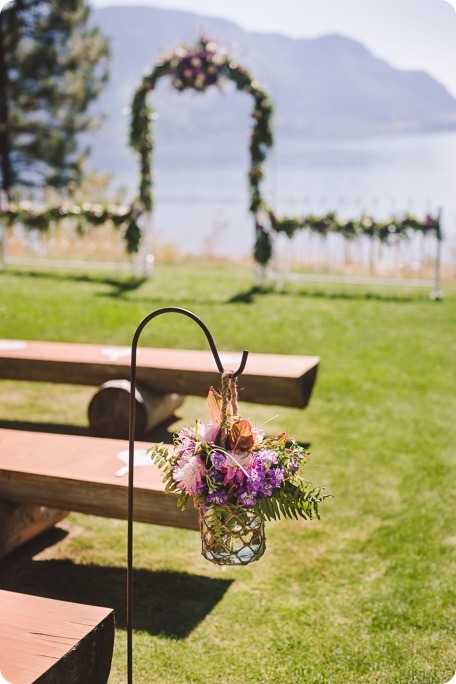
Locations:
(231, 535)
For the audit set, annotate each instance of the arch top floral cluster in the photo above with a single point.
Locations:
(198, 68)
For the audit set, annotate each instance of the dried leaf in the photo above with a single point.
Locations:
(241, 436)
(214, 402)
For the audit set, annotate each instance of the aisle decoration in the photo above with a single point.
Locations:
(34, 216)
(237, 477)
(365, 226)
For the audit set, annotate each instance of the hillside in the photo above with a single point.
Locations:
(329, 86)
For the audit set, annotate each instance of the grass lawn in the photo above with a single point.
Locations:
(366, 595)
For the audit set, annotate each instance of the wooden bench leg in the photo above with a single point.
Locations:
(20, 522)
(109, 409)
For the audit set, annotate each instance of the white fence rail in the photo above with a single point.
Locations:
(413, 262)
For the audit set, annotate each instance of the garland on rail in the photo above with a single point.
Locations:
(36, 217)
(384, 231)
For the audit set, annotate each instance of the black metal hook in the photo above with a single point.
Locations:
(131, 451)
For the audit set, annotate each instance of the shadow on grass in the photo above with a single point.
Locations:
(249, 296)
(166, 603)
(119, 286)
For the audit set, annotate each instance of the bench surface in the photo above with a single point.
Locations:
(77, 473)
(51, 642)
(276, 379)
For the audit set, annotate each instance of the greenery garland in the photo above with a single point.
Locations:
(35, 217)
(366, 226)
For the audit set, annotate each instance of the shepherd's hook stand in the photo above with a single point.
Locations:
(131, 451)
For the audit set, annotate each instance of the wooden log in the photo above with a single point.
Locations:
(109, 409)
(43, 641)
(20, 522)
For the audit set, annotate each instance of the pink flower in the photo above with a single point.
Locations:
(188, 473)
(208, 432)
(237, 464)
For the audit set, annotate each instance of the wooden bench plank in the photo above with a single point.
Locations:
(50, 642)
(79, 474)
(268, 378)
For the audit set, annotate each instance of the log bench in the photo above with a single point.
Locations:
(164, 377)
(52, 474)
(43, 641)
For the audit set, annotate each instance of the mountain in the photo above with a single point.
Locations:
(330, 86)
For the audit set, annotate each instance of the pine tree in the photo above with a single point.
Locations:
(52, 66)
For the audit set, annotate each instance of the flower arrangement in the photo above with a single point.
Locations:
(196, 68)
(238, 478)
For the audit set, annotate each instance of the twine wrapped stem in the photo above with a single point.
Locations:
(229, 402)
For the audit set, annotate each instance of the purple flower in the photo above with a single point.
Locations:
(217, 498)
(218, 460)
(266, 490)
(218, 476)
(293, 466)
(265, 458)
(201, 488)
(257, 478)
(247, 498)
(276, 476)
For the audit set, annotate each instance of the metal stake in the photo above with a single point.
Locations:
(131, 446)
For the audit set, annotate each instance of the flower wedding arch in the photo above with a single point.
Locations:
(197, 68)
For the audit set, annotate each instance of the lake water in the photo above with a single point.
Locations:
(201, 203)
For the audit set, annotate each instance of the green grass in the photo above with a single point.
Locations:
(365, 595)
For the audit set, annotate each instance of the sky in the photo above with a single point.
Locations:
(409, 34)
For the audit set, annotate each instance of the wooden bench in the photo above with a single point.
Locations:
(166, 374)
(74, 473)
(43, 641)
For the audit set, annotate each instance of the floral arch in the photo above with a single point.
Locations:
(198, 68)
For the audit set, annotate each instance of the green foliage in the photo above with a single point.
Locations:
(263, 247)
(54, 66)
(366, 226)
(299, 500)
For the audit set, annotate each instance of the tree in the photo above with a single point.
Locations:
(52, 66)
